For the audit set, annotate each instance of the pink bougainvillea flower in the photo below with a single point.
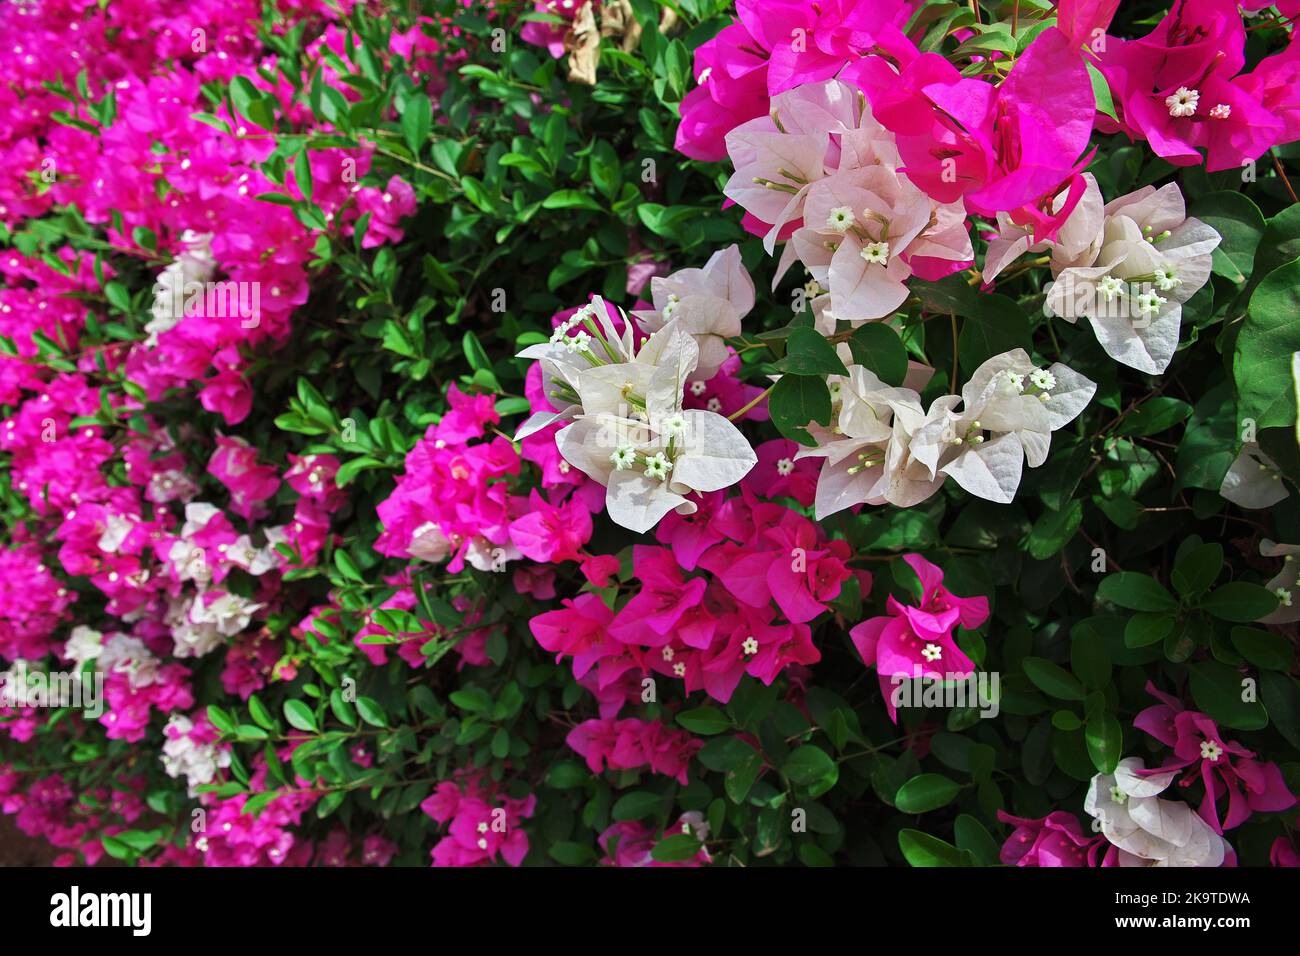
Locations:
(549, 533)
(919, 640)
(1084, 22)
(731, 70)
(1224, 766)
(1056, 840)
(1178, 88)
(631, 744)
(234, 464)
(811, 42)
(1009, 148)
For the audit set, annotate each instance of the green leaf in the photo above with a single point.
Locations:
(808, 353)
(570, 199)
(1148, 628)
(675, 848)
(1279, 695)
(1089, 660)
(922, 850)
(637, 805)
(1101, 91)
(797, 400)
(1105, 740)
(371, 712)
(1261, 364)
(302, 173)
(1196, 569)
(1137, 592)
(974, 838)
(417, 120)
(1240, 223)
(221, 719)
(704, 720)
(877, 347)
(568, 853)
(1218, 690)
(1240, 601)
(926, 792)
(1154, 416)
(1054, 530)
(1264, 648)
(299, 715)
(567, 774)
(346, 566)
(810, 766)
(261, 716)
(1052, 679)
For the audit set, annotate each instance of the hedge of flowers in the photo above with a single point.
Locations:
(650, 432)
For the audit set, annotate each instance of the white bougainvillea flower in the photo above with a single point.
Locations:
(586, 339)
(1151, 260)
(193, 263)
(811, 129)
(1253, 479)
(1077, 242)
(1147, 830)
(629, 430)
(708, 303)
(867, 458)
(865, 264)
(1284, 583)
(1009, 409)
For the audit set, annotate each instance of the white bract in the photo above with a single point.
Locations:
(1147, 830)
(1008, 411)
(708, 303)
(1146, 259)
(193, 263)
(1253, 479)
(183, 756)
(884, 448)
(867, 449)
(1284, 583)
(628, 429)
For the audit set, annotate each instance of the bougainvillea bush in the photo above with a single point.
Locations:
(650, 432)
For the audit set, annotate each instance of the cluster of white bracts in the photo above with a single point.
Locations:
(1146, 830)
(883, 447)
(194, 263)
(115, 654)
(202, 622)
(183, 756)
(623, 402)
(1126, 266)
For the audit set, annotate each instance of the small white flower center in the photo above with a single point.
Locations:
(840, 219)
(1165, 278)
(1110, 287)
(876, 253)
(1183, 102)
(1148, 303)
